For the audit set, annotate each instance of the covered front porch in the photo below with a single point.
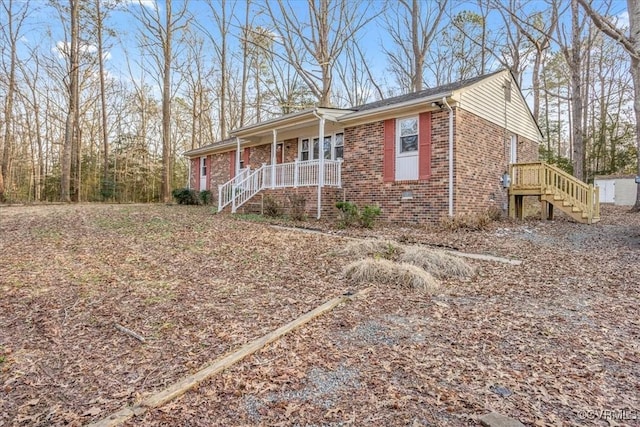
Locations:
(304, 149)
(247, 183)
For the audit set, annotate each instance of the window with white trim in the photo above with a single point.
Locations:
(203, 166)
(338, 146)
(332, 147)
(327, 147)
(304, 150)
(408, 135)
(407, 149)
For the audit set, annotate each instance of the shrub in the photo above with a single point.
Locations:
(385, 272)
(348, 214)
(298, 204)
(205, 197)
(368, 215)
(271, 207)
(186, 196)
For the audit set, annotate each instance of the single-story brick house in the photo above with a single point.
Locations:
(421, 156)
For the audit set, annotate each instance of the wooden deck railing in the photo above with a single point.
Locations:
(544, 179)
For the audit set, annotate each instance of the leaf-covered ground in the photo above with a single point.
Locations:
(542, 342)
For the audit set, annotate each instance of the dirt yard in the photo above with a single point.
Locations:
(553, 341)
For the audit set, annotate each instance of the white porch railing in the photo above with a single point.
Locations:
(302, 174)
(284, 175)
(226, 190)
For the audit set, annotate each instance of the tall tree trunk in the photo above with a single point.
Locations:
(70, 125)
(633, 6)
(418, 55)
(13, 29)
(103, 95)
(166, 109)
(576, 95)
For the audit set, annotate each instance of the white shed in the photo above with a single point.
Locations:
(617, 189)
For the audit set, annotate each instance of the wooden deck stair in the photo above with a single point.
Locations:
(555, 188)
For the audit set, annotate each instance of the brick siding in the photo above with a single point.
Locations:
(481, 156)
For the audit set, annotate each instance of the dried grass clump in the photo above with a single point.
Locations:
(440, 264)
(466, 222)
(387, 249)
(384, 272)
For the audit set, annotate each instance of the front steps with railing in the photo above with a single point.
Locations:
(240, 189)
(555, 188)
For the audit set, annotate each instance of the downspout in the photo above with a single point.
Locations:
(444, 101)
(320, 161)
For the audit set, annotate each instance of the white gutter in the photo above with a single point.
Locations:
(359, 115)
(320, 161)
(444, 101)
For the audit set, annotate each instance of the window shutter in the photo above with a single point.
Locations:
(232, 164)
(195, 172)
(247, 154)
(389, 162)
(424, 147)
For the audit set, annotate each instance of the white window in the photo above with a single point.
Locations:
(338, 146)
(327, 147)
(332, 147)
(408, 135)
(203, 173)
(304, 150)
(407, 149)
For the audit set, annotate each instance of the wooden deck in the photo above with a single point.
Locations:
(555, 188)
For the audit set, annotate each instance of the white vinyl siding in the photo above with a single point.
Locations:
(486, 99)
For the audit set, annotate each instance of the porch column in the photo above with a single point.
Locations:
(274, 148)
(237, 156)
(320, 164)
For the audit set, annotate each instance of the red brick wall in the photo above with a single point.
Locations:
(329, 197)
(363, 174)
(480, 157)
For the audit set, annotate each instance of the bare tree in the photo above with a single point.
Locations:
(631, 43)
(11, 33)
(317, 41)
(71, 123)
(538, 30)
(100, 17)
(412, 30)
(162, 31)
